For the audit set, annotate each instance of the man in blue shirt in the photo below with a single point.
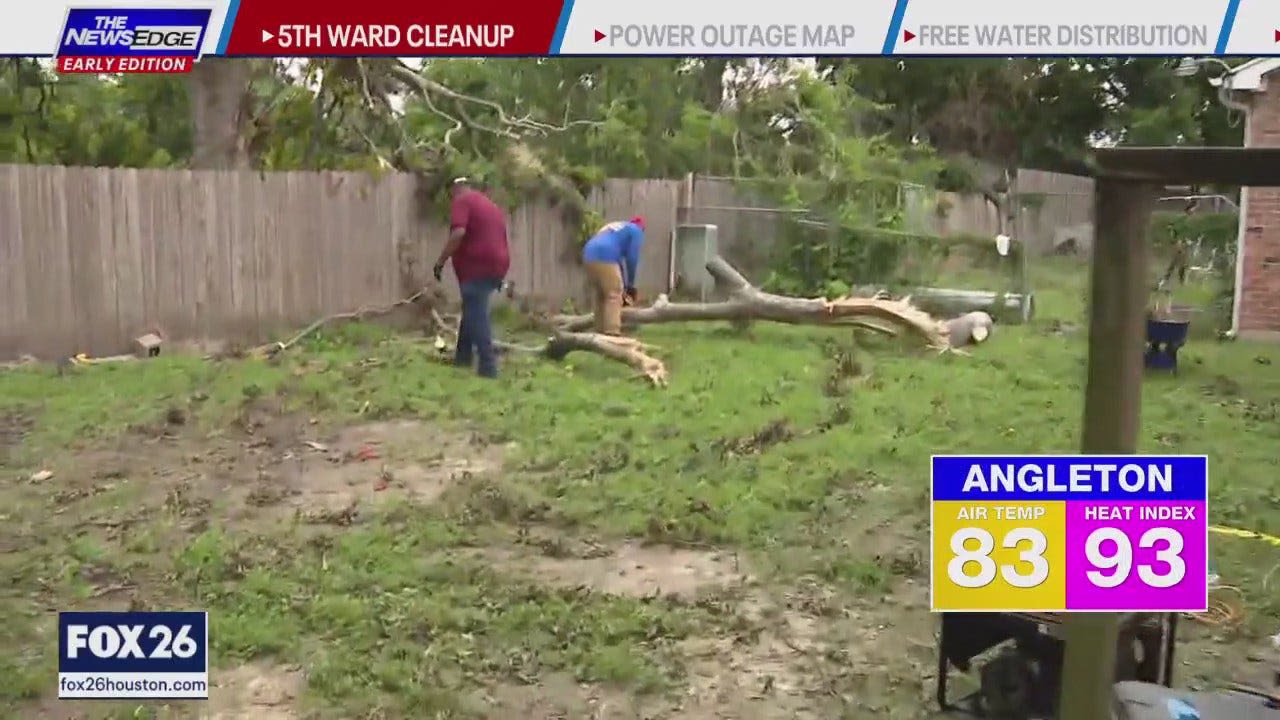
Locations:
(612, 257)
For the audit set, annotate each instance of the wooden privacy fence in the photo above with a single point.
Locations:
(92, 257)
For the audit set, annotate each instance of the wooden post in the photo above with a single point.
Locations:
(1113, 396)
(683, 211)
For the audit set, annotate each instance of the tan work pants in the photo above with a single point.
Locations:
(606, 279)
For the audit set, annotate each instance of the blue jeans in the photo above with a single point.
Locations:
(475, 331)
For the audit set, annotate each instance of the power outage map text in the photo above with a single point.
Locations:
(131, 40)
(719, 37)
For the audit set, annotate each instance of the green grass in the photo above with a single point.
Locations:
(750, 449)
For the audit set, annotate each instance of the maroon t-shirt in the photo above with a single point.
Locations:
(484, 252)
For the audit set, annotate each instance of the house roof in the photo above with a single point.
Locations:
(1249, 75)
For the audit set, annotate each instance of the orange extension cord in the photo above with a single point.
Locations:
(1226, 607)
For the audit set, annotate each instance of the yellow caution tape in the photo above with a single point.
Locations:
(1250, 534)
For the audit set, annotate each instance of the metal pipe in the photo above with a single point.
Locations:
(1224, 98)
(1242, 227)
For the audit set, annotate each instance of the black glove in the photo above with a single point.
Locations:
(438, 271)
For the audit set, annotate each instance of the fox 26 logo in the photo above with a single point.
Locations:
(103, 642)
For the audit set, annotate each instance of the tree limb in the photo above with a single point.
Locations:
(510, 127)
(625, 350)
(746, 302)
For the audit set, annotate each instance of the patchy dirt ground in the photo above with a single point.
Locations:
(792, 653)
(256, 691)
(276, 467)
(632, 568)
(559, 697)
(13, 428)
(323, 480)
(764, 563)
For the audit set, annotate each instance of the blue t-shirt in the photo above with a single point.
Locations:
(617, 242)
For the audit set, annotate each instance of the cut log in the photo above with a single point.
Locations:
(1012, 308)
(969, 329)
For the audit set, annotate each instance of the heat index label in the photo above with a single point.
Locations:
(1055, 534)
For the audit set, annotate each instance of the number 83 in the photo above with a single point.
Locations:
(981, 556)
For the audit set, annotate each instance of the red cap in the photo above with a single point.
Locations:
(638, 221)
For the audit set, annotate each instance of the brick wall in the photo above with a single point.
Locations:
(1260, 261)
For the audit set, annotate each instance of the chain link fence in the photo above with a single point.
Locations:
(908, 239)
(943, 248)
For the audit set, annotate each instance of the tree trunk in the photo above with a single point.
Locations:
(711, 77)
(745, 303)
(218, 89)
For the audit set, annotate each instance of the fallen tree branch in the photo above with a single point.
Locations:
(626, 350)
(746, 302)
(364, 313)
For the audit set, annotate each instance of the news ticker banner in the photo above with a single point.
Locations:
(1069, 534)
(133, 655)
(294, 28)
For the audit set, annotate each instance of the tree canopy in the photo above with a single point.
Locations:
(837, 136)
(599, 117)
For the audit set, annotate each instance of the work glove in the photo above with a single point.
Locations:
(438, 271)
(630, 296)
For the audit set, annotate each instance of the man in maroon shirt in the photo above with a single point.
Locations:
(481, 258)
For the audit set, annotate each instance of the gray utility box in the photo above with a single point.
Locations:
(694, 245)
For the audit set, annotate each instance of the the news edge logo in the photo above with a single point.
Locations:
(133, 655)
(132, 39)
